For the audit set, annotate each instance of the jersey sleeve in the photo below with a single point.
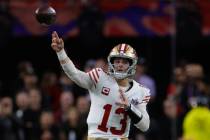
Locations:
(146, 96)
(79, 77)
(141, 110)
(95, 75)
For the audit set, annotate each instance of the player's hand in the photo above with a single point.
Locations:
(57, 43)
(123, 100)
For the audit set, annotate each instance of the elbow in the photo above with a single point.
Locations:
(145, 128)
(70, 73)
(143, 125)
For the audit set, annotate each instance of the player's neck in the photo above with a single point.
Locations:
(123, 82)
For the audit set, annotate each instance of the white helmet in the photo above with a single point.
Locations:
(122, 51)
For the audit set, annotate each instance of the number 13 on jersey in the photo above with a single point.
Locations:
(123, 121)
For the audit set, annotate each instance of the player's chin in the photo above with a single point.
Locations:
(120, 71)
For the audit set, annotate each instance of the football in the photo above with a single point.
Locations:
(45, 15)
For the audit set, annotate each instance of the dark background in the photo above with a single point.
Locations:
(157, 50)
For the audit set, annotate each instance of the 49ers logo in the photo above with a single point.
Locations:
(105, 90)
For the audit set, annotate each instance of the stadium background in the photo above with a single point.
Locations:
(162, 31)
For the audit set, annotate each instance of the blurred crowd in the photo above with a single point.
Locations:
(52, 107)
(49, 106)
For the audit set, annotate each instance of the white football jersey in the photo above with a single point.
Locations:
(106, 119)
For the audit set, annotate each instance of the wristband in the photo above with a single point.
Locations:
(62, 55)
(134, 117)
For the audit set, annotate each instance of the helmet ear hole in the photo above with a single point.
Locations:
(130, 61)
(112, 60)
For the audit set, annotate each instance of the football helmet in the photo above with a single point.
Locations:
(122, 51)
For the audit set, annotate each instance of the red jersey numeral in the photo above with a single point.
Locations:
(103, 126)
(107, 111)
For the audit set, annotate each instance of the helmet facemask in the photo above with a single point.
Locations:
(121, 75)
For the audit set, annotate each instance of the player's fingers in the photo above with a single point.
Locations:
(61, 41)
(56, 35)
(53, 45)
(54, 40)
(52, 34)
(122, 95)
(119, 103)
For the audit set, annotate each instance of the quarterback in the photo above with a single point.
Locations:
(116, 99)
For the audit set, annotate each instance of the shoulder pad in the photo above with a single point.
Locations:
(94, 74)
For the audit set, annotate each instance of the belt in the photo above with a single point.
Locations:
(91, 138)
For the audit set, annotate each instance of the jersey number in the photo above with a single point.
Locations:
(113, 130)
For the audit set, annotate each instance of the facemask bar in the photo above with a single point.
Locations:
(121, 75)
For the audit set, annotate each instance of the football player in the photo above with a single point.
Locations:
(116, 99)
